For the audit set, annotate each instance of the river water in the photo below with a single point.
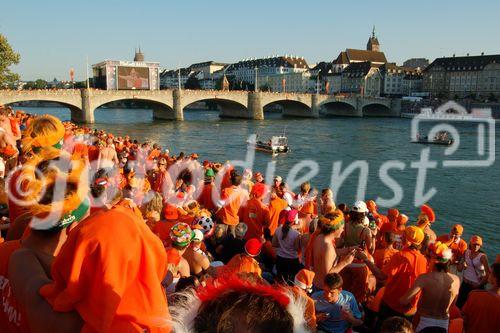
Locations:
(465, 195)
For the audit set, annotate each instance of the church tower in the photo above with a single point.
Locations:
(139, 56)
(373, 44)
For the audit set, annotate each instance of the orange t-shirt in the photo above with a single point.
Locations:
(205, 198)
(482, 312)
(256, 216)
(275, 207)
(402, 271)
(155, 153)
(233, 198)
(110, 270)
(382, 256)
(12, 315)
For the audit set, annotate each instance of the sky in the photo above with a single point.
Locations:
(54, 36)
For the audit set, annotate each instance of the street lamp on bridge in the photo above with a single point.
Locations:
(255, 83)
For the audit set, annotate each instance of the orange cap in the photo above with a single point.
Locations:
(414, 235)
(476, 240)
(457, 229)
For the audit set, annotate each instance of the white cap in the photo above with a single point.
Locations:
(359, 207)
(278, 178)
(198, 235)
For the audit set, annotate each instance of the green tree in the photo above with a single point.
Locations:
(40, 84)
(7, 58)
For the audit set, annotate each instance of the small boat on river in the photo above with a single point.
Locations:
(275, 145)
(441, 138)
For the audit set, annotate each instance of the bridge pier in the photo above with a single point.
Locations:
(255, 109)
(178, 111)
(315, 106)
(164, 112)
(86, 114)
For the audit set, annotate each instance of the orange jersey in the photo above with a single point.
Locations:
(482, 312)
(110, 270)
(275, 207)
(256, 216)
(233, 198)
(205, 198)
(382, 256)
(402, 271)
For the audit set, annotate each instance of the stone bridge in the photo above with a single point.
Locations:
(170, 104)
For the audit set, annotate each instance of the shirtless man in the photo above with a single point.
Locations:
(326, 258)
(181, 235)
(196, 258)
(438, 289)
(327, 205)
(107, 155)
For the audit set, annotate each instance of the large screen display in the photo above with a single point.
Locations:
(133, 77)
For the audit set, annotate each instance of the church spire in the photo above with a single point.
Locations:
(373, 44)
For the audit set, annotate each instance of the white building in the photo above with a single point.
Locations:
(362, 78)
(247, 70)
(169, 79)
(286, 82)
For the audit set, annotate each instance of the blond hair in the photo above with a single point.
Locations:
(43, 131)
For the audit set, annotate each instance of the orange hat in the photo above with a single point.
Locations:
(304, 280)
(457, 229)
(402, 219)
(414, 235)
(476, 240)
(372, 206)
(441, 251)
(333, 220)
(253, 247)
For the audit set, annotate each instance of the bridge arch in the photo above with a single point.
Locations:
(160, 110)
(293, 104)
(339, 108)
(228, 108)
(376, 110)
(291, 108)
(75, 110)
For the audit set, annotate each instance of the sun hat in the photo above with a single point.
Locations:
(359, 207)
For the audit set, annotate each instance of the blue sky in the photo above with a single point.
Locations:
(54, 36)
